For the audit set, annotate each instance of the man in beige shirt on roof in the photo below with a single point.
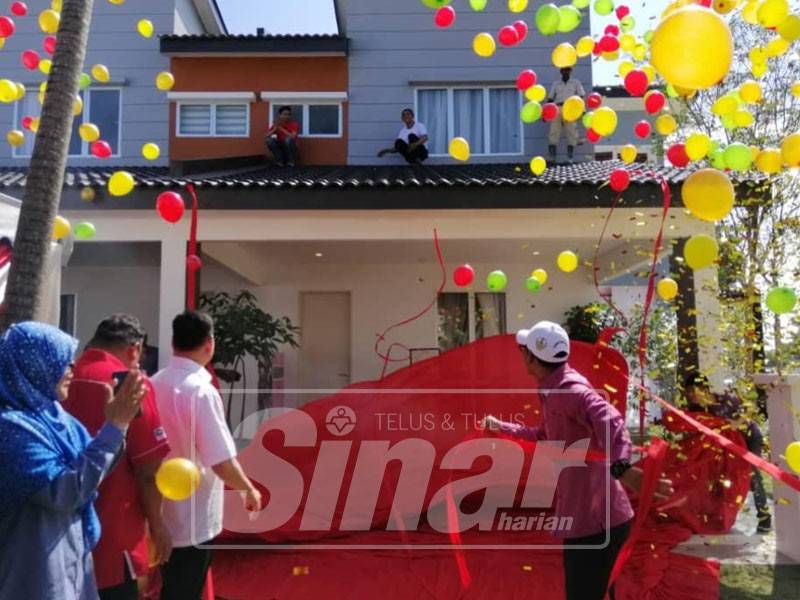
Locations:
(566, 87)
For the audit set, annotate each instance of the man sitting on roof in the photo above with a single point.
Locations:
(282, 138)
(410, 141)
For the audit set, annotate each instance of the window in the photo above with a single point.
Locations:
(213, 120)
(465, 317)
(66, 317)
(487, 117)
(315, 120)
(101, 106)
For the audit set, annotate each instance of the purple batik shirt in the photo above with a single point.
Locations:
(574, 411)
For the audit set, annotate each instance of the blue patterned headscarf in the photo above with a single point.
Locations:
(38, 438)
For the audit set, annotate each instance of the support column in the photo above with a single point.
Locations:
(688, 360)
(172, 291)
(709, 336)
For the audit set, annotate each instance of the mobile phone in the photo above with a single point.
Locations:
(119, 378)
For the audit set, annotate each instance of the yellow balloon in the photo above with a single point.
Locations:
(667, 289)
(790, 150)
(700, 251)
(750, 91)
(89, 132)
(49, 20)
(759, 69)
(769, 161)
(795, 89)
(666, 124)
(683, 36)
(20, 91)
(459, 149)
(77, 106)
(708, 194)
(604, 121)
(151, 151)
(517, 6)
(625, 67)
(177, 479)
(537, 93)
(684, 92)
(538, 165)
(750, 12)
(15, 138)
(697, 146)
(483, 45)
(639, 51)
(540, 275)
(57, 5)
(758, 55)
(101, 73)
(628, 153)
(145, 28)
(88, 194)
(771, 13)
(792, 455)
(610, 56)
(120, 183)
(35, 124)
(567, 261)
(584, 46)
(61, 228)
(564, 55)
(117, 2)
(573, 109)
(777, 46)
(8, 91)
(649, 71)
(627, 42)
(45, 65)
(723, 7)
(743, 118)
(754, 152)
(789, 29)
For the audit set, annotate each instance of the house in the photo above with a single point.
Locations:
(344, 244)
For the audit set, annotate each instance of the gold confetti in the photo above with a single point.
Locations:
(784, 501)
(300, 570)
(613, 390)
(527, 568)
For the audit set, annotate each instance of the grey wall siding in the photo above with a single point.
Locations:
(132, 60)
(186, 18)
(395, 42)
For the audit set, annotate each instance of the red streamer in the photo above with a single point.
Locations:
(191, 274)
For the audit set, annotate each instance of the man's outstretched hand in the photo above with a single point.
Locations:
(632, 479)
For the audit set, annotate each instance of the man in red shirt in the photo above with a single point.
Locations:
(282, 138)
(128, 502)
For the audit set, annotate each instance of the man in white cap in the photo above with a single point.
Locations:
(572, 411)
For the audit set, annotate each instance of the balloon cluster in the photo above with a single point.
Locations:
(497, 281)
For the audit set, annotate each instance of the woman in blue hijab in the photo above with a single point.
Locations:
(50, 467)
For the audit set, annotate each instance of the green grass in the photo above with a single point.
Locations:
(759, 582)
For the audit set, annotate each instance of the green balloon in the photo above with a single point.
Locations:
(587, 119)
(478, 5)
(713, 146)
(580, 3)
(547, 19)
(627, 23)
(533, 284)
(781, 300)
(496, 281)
(648, 36)
(603, 7)
(718, 159)
(569, 18)
(84, 231)
(85, 81)
(435, 3)
(531, 112)
(738, 157)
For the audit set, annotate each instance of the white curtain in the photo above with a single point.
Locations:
(433, 114)
(468, 118)
(504, 105)
(490, 314)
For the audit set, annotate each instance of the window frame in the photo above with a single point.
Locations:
(306, 103)
(486, 115)
(85, 146)
(212, 104)
(472, 324)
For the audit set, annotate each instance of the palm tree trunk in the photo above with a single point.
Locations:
(24, 293)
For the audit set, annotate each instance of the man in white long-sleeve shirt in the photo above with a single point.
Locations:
(566, 87)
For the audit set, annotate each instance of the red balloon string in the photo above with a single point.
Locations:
(191, 274)
(381, 337)
(596, 265)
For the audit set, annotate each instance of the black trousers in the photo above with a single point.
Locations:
(417, 155)
(183, 576)
(755, 444)
(128, 590)
(586, 572)
(285, 151)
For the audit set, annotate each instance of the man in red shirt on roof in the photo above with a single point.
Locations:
(282, 138)
(128, 503)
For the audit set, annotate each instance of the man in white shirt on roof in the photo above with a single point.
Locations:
(410, 141)
(192, 416)
(566, 87)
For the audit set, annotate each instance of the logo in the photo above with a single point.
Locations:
(159, 434)
(340, 421)
(541, 343)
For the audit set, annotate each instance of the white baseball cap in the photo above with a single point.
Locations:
(546, 340)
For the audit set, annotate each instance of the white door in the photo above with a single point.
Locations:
(325, 342)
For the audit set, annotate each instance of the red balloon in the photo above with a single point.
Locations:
(706, 3)
(445, 16)
(49, 44)
(526, 79)
(549, 112)
(654, 101)
(620, 180)
(636, 83)
(593, 136)
(6, 27)
(522, 29)
(611, 30)
(170, 206)
(508, 35)
(642, 129)
(19, 8)
(101, 149)
(26, 122)
(594, 100)
(193, 262)
(622, 12)
(676, 154)
(30, 60)
(608, 43)
(463, 275)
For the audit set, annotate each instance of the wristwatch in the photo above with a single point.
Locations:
(619, 467)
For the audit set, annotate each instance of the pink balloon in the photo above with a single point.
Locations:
(654, 102)
(49, 44)
(101, 149)
(611, 30)
(30, 59)
(594, 100)
(642, 129)
(445, 17)
(193, 262)
(26, 122)
(608, 43)
(522, 29)
(622, 12)
(526, 79)
(508, 35)
(6, 26)
(19, 8)
(170, 206)
(620, 180)
(549, 112)
(676, 154)
(636, 83)
(593, 136)
(463, 275)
